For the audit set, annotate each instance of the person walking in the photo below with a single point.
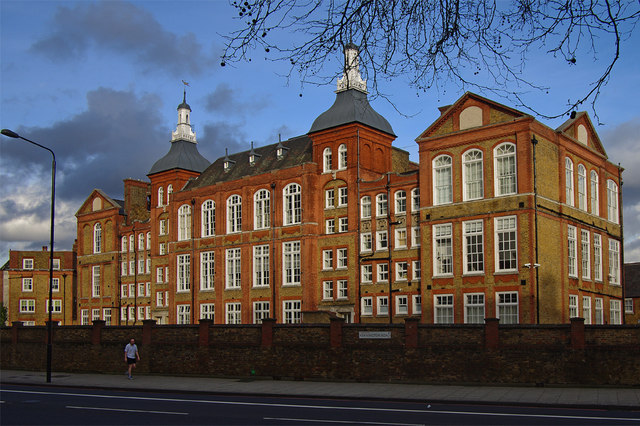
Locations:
(130, 356)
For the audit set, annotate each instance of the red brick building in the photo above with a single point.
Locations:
(502, 217)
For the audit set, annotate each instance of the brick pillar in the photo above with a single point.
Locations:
(96, 331)
(491, 335)
(203, 332)
(15, 327)
(335, 331)
(147, 326)
(267, 332)
(411, 332)
(577, 333)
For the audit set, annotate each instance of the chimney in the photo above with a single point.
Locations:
(44, 248)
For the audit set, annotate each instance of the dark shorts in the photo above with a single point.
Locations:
(131, 360)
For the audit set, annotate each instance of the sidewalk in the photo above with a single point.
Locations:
(619, 398)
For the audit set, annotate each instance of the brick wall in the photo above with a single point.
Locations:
(490, 354)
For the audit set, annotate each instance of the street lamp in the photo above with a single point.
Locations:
(14, 135)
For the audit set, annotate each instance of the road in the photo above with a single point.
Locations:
(80, 406)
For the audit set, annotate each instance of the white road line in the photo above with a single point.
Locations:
(75, 407)
(326, 407)
(340, 421)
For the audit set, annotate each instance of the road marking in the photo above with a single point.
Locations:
(325, 407)
(75, 407)
(286, 419)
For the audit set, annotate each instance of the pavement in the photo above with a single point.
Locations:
(584, 397)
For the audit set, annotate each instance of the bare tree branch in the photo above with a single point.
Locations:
(475, 44)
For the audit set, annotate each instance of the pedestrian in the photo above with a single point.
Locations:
(130, 356)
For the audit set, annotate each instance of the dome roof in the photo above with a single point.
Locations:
(351, 106)
(182, 155)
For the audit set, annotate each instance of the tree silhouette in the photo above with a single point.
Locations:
(476, 44)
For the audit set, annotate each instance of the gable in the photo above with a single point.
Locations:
(580, 129)
(98, 201)
(468, 112)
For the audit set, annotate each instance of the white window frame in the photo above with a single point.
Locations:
(598, 311)
(615, 312)
(416, 270)
(415, 236)
(568, 181)
(382, 240)
(292, 311)
(473, 247)
(27, 284)
(472, 175)
(628, 305)
(582, 187)
(400, 197)
(327, 260)
(366, 274)
(327, 290)
(597, 257)
(614, 262)
(442, 250)
(261, 271)
(400, 239)
(504, 225)
(292, 204)
(261, 310)
(234, 214)
(366, 242)
(233, 313)
(183, 272)
(97, 238)
(573, 306)
(506, 301)
(382, 205)
(382, 272)
(233, 271)
(382, 306)
(160, 196)
(343, 196)
(416, 304)
(207, 270)
(27, 263)
(415, 200)
(343, 289)
(585, 254)
(342, 156)
(365, 207)
(57, 306)
(330, 226)
(327, 160)
(184, 222)
(95, 281)
(586, 309)
(366, 306)
(208, 216)
(612, 201)
(474, 308)
(27, 306)
(505, 169)
(595, 192)
(402, 305)
(207, 311)
(343, 224)
(342, 258)
(291, 263)
(262, 209)
(572, 251)
(442, 180)
(443, 309)
(329, 198)
(183, 314)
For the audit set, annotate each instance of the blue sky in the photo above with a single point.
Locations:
(99, 83)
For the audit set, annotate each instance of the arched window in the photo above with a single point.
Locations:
(582, 187)
(401, 201)
(141, 241)
(184, 222)
(415, 200)
(292, 210)
(473, 175)
(470, 117)
(505, 176)
(568, 170)
(148, 240)
(132, 246)
(97, 238)
(382, 205)
(326, 160)
(123, 247)
(342, 156)
(365, 207)
(160, 196)
(208, 218)
(595, 193)
(261, 209)
(169, 192)
(612, 201)
(234, 214)
(442, 185)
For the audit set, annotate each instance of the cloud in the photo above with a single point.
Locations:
(622, 144)
(123, 28)
(225, 100)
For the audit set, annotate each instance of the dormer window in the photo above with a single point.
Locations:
(253, 157)
(281, 150)
(228, 163)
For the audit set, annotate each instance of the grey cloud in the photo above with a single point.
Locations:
(224, 100)
(218, 136)
(122, 27)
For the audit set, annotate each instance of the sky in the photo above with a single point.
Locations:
(99, 83)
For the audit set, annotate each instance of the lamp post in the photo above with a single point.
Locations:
(14, 135)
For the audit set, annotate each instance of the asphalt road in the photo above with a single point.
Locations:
(80, 406)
